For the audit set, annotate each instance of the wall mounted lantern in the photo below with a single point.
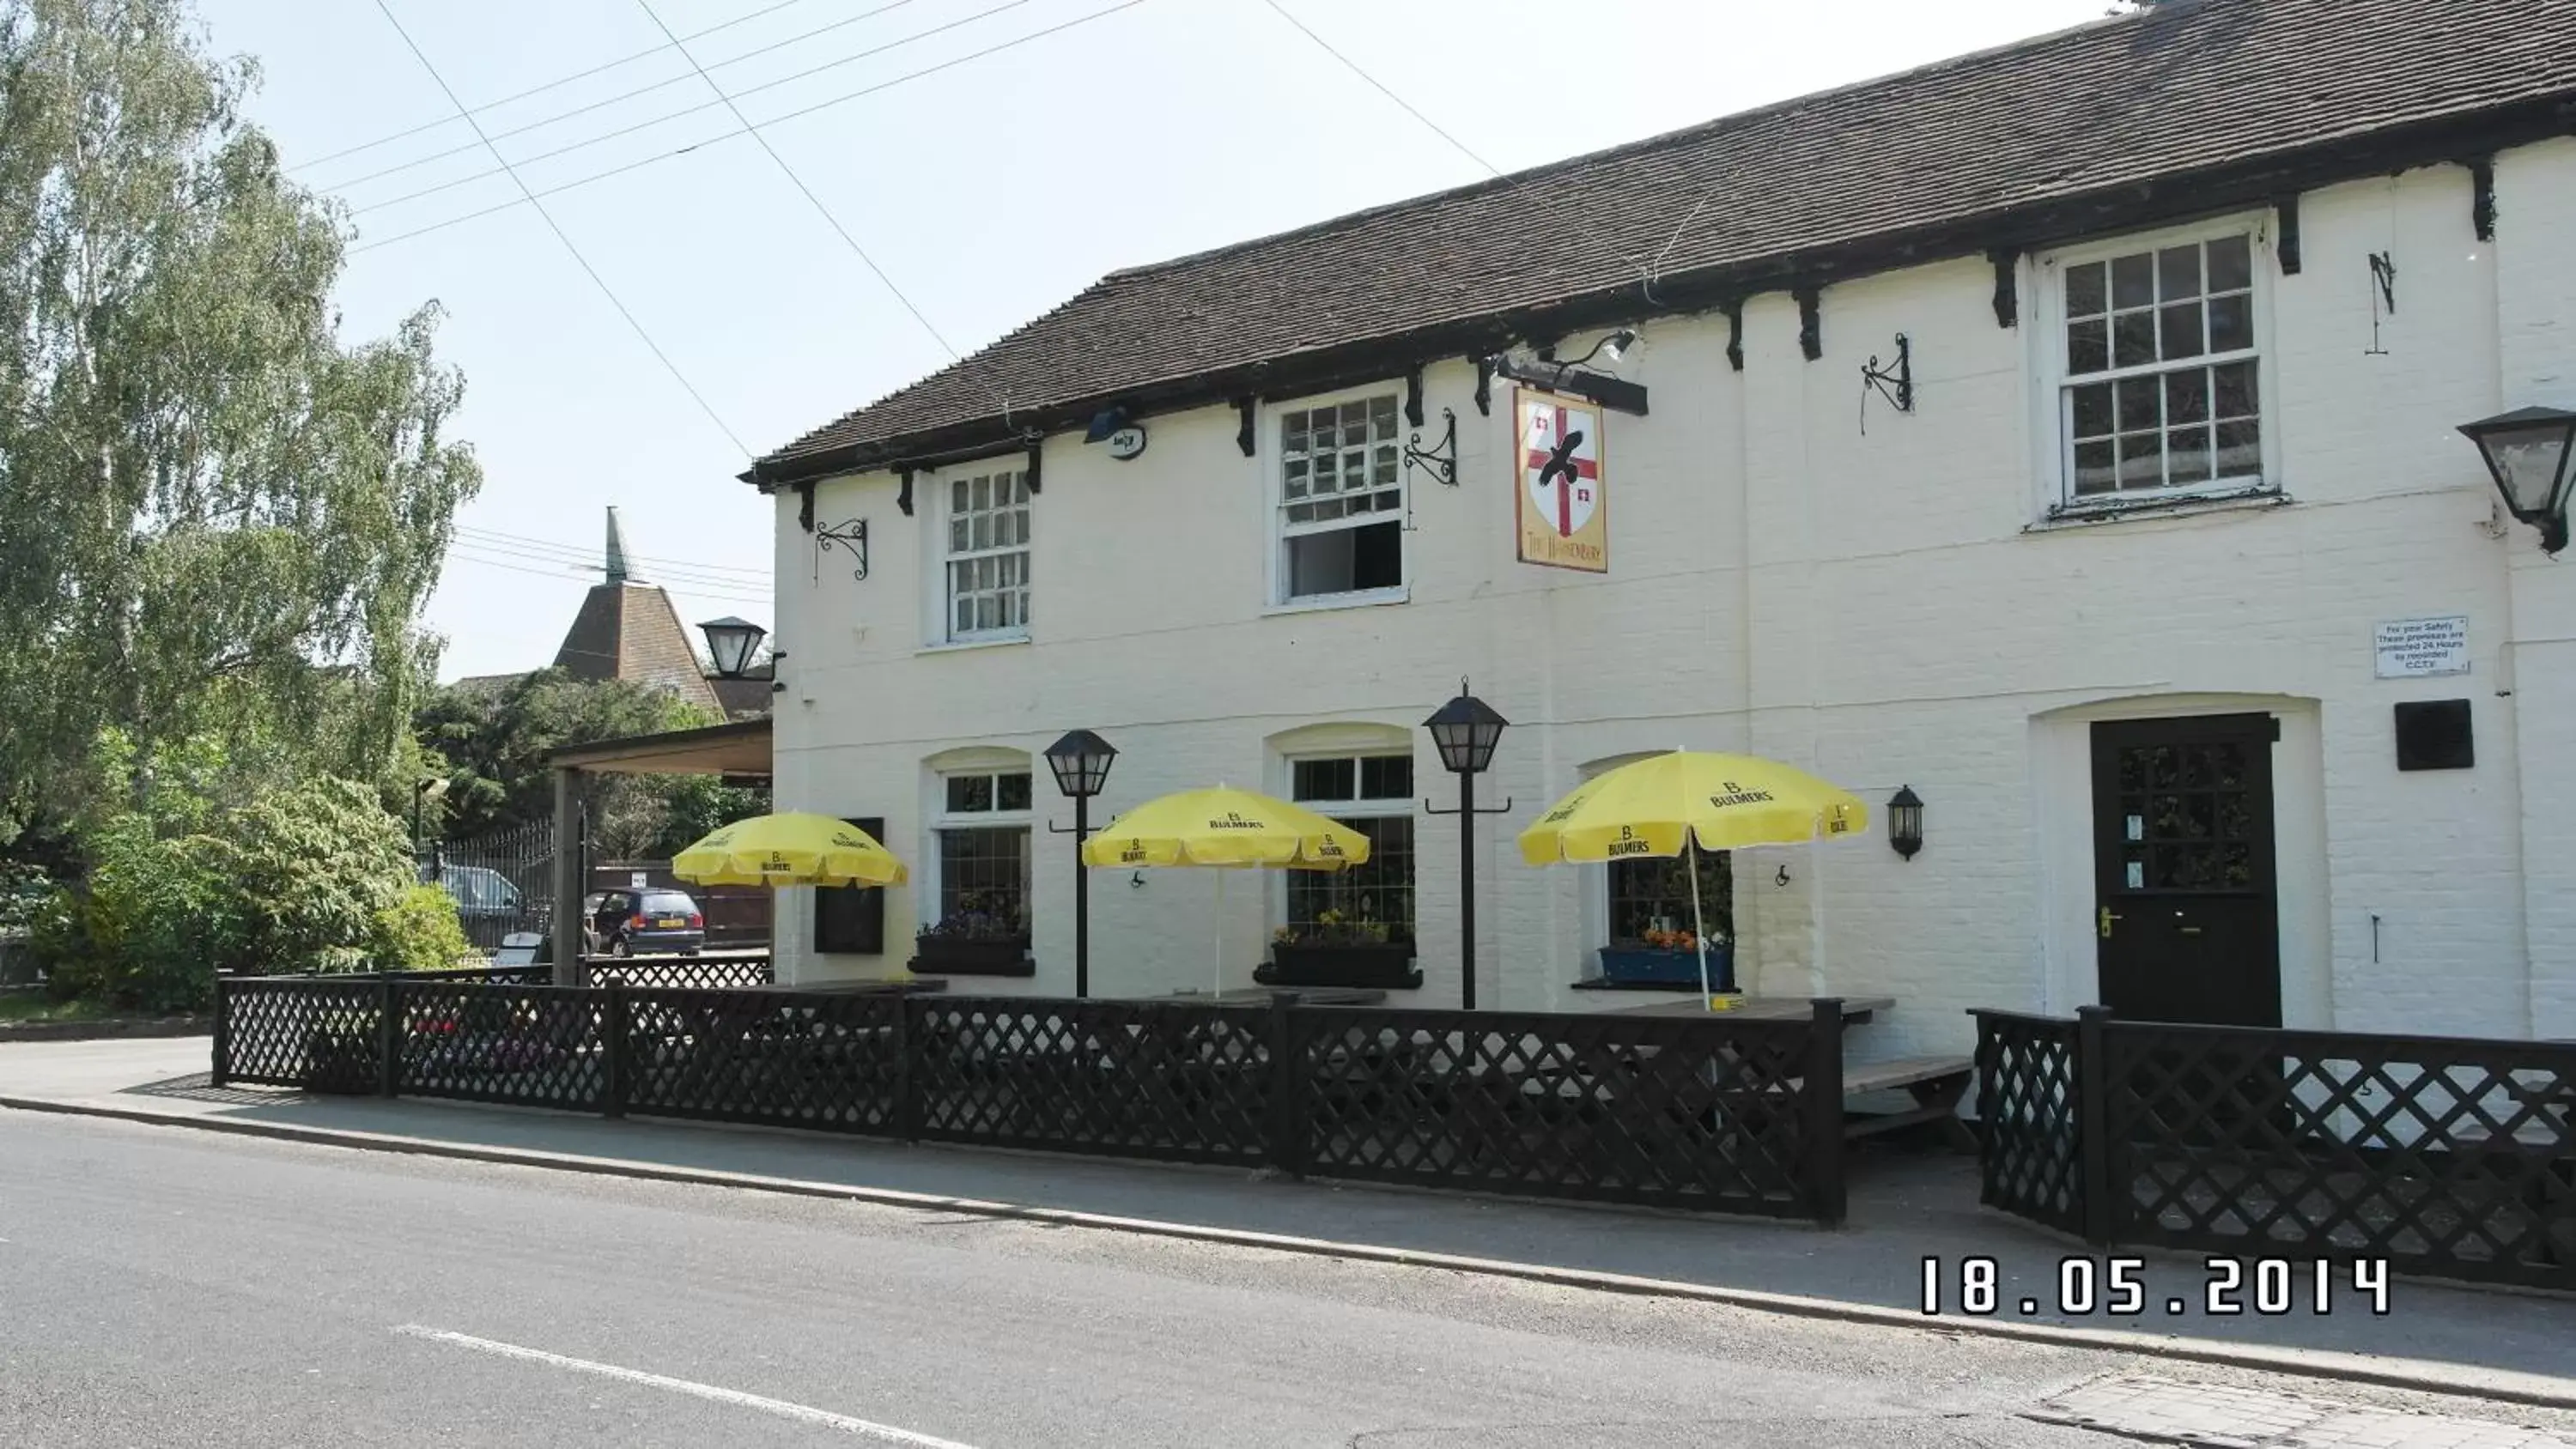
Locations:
(1081, 763)
(2532, 453)
(1465, 731)
(1905, 821)
(730, 642)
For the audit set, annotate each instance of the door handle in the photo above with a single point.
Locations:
(2106, 918)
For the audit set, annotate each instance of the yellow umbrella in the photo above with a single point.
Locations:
(1685, 802)
(1228, 829)
(791, 848)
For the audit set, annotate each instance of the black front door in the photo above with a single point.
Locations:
(2187, 909)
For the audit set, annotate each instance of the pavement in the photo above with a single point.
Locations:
(1905, 1207)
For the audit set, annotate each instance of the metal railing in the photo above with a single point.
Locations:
(1719, 1114)
(2445, 1156)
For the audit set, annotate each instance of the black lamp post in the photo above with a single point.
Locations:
(2532, 453)
(1465, 731)
(730, 642)
(1081, 763)
(1905, 821)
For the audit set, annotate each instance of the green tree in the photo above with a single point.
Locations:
(218, 518)
(494, 743)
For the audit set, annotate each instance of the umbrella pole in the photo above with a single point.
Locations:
(1216, 987)
(1699, 931)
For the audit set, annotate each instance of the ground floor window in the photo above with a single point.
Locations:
(1355, 926)
(980, 854)
(1650, 901)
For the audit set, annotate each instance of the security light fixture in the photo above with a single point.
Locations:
(2532, 453)
(1103, 423)
(1905, 821)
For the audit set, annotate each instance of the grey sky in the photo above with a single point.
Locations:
(989, 191)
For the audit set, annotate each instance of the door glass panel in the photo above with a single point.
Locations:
(2187, 822)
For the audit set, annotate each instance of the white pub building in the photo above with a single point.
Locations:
(2070, 433)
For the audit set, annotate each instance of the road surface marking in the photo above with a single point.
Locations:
(882, 1433)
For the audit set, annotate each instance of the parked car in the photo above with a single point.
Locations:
(629, 922)
(480, 892)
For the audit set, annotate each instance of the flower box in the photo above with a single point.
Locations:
(973, 956)
(1656, 966)
(1387, 965)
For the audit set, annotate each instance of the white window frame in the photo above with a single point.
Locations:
(2053, 416)
(1273, 458)
(940, 818)
(1354, 809)
(944, 484)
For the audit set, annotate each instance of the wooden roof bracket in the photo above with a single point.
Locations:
(2286, 244)
(903, 496)
(1735, 334)
(2482, 212)
(2007, 264)
(1811, 327)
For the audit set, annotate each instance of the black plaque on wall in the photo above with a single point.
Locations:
(850, 920)
(2434, 734)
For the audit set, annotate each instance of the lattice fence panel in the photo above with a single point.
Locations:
(1126, 1078)
(689, 973)
(536, 1046)
(320, 1032)
(830, 1061)
(2443, 1156)
(2032, 1162)
(1665, 1111)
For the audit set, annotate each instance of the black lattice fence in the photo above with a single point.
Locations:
(2031, 1165)
(533, 1046)
(2444, 1156)
(702, 973)
(1730, 1115)
(1165, 1080)
(830, 1061)
(1660, 1110)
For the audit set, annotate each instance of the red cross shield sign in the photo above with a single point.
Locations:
(1562, 498)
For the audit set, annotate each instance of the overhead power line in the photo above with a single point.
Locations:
(1382, 89)
(624, 96)
(537, 90)
(571, 575)
(560, 235)
(750, 129)
(590, 562)
(807, 192)
(574, 550)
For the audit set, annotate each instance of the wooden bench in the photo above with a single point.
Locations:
(1935, 1083)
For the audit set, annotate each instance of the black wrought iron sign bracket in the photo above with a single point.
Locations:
(852, 537)
(1894, 383)
(1440, 460)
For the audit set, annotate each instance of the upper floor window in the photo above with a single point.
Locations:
(2160, 393)
(988, 554)
(1341, 498)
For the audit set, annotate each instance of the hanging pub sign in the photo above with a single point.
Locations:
(1563, 516)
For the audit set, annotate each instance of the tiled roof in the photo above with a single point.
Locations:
(631, 632)
(2189, 90)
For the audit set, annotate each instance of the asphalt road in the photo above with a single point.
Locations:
(162, 1288)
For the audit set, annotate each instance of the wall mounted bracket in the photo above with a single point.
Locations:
(1440, 460)
(851, 537)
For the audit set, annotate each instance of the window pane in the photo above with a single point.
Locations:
(2133, 339)
(2088, 347)
(1382, 466)
(984, 880)
(2093, 468)
(2188, 458)
(2187, 396)
(1377, 556)
(981, 534)
(2240, 451)
(988, 612)
(981, 491)
(957, 496)
(1386, 777)
(1355, 422)
(1013, 791)
(2231, 323)
(2142, 460)
(1292, 433)
(2133, 280)
(1295, 479)
(1320, 563)
(2139, 403)
(1322, 436)
(1301, 513)
(1382, 415)
(1327, 780)
(2178, 272)
(1328, 510)
(965, 615)
(957, 533)
(2179, 329)
(2231, 264)
(1371, 903)
(2084, 290)
(969, 794)
(1655, 895)
(2092, 410)
(2233, 385)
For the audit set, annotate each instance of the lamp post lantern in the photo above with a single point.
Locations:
(2532, 453)
(1465, 731)
(1081, 763)
(730, 642)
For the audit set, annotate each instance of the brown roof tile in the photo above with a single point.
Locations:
(2186, 94)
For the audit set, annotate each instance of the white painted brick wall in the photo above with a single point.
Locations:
(1874, 605)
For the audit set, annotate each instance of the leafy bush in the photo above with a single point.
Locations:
(420, 932)
(313, 866)
(149, 924)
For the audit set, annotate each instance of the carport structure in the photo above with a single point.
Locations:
(740, 752)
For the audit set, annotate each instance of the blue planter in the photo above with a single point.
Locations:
(1646, 965)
